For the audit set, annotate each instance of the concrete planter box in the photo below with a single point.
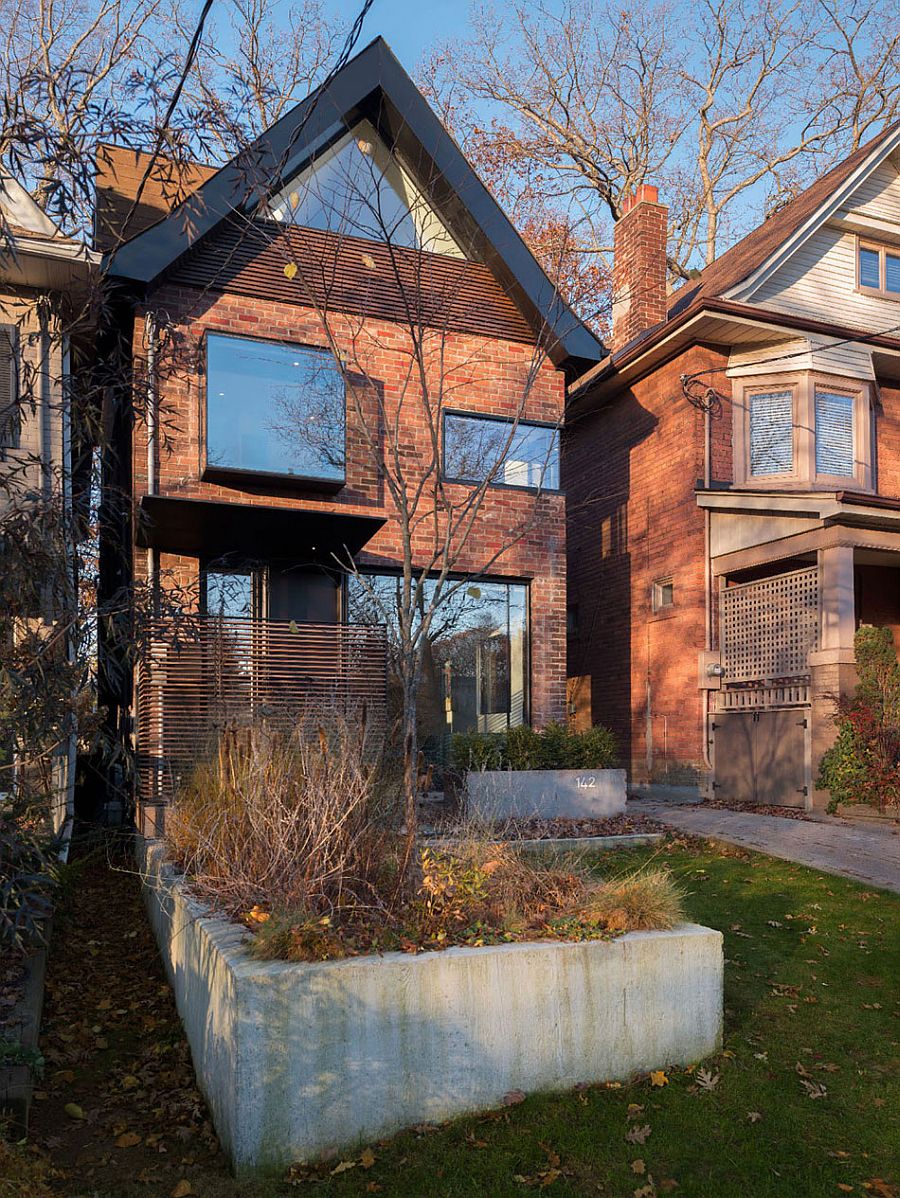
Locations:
(548, 794)
(295, 1058)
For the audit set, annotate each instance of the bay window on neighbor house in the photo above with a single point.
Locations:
(512, 453)
(803, 432)
(878, 269)
(475, 668)
(273, 408)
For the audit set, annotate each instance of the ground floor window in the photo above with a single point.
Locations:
(475, 671)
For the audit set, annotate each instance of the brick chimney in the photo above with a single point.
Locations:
(639, 265)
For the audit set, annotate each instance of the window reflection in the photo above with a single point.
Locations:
(474, 672)
(273, 407)
(519, 455)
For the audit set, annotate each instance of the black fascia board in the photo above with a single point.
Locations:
(373, 80)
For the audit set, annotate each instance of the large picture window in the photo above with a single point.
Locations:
(273, 408)
(475, 669)
(510, 453)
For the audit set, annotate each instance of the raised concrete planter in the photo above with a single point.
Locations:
(566, 794)
(295, 1059)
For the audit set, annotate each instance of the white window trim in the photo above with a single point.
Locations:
(803, 476)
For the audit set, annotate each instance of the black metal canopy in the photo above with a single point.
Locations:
(213, 529)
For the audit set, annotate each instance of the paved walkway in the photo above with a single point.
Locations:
(866, 853)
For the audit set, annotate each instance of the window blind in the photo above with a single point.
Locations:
(9, 388)
(834, 434)
(772, 433)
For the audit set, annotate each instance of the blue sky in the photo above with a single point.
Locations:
(411, 29)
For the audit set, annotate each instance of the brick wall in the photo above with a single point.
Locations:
(630, 472)
(479, 374)
(639, 266)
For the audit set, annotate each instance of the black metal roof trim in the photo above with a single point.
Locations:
(280, 152)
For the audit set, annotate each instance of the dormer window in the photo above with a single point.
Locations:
(878, 269)
(803, 432)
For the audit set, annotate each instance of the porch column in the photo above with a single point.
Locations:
(832, 666)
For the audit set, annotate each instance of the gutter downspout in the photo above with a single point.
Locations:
(707, 580)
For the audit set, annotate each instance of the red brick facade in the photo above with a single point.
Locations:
(483, 375)
(640, 295)
(630, 470)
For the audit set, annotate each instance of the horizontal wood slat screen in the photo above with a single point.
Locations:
(349, 274)
(200, 674)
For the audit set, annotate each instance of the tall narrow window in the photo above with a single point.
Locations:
(834, 434)
(771, 432)
(10, 426)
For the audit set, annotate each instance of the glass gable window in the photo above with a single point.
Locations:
(475, 672)
(879, 269)
(274, 408)
(771, 433)
(516, 455)
(834, 434)
(357, 187)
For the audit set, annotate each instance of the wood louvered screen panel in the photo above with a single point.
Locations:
(205, 673)
(769, 628)
(350, 274)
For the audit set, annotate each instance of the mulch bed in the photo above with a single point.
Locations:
(760, 809)
(566, 829)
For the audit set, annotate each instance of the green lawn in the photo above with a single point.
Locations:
(803, 1101)
(811, 996)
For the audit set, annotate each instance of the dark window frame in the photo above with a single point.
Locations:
(10, 408)
(239, 475)
(486, 416)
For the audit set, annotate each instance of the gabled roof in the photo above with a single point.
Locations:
(373, 77)
(780, 233)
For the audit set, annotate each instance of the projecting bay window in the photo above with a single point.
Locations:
(803, 432)
(274, 409)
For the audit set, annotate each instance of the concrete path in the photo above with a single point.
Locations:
(866, 853)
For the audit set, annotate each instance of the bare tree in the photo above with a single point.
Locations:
(739, 104)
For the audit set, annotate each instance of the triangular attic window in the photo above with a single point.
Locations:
(359, 189)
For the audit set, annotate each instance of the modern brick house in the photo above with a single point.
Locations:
(265, 312)
(746, 519)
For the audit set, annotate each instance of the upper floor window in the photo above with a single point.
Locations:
(771, 432)
(10, 423)
(274, 408)
(506, 452)
(878, 269)
(802, 432)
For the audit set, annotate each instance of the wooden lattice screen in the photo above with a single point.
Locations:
(770, 627)
(203, 674)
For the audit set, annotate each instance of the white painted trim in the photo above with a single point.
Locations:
(744, 290)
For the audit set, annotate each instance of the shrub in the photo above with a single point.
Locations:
(27, 880)
(557, 747)
(863, 764)
(640, 902)
(287, 821)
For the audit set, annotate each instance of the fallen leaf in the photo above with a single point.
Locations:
(813, 1089)
(290, 270)
(183, 1189)
(754, 1117)
(644, 1192)
(638, 1166)
(513, 1098)
(707, 1080)
(367, 1158)
(844, 1188)
(128, 1139)
(73, 1110)
(342, 1167)
(638, 1135)
(658, 1078)
(634, 1109)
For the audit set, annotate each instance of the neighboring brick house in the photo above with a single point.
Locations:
(45, 293)
(269, 266)
(745, 517)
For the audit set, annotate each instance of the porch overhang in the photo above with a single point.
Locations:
(209, 528)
